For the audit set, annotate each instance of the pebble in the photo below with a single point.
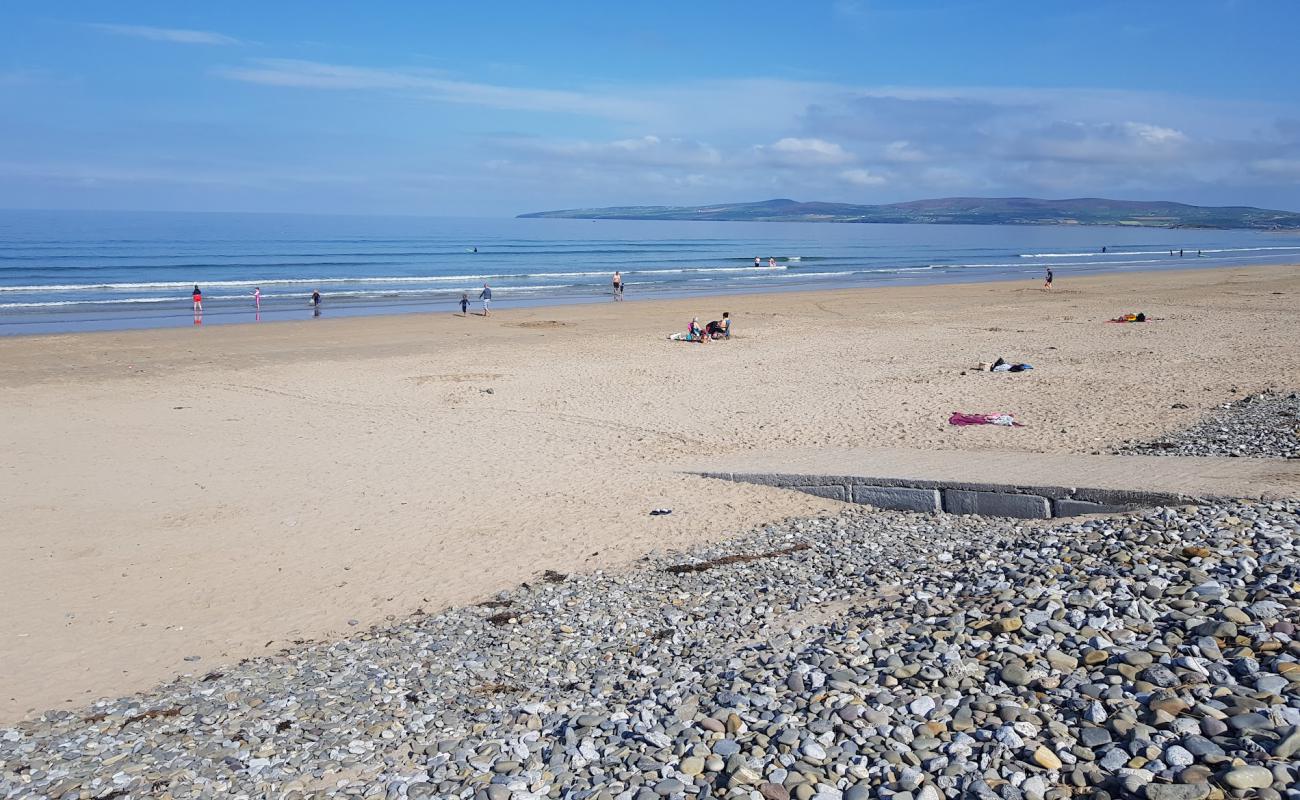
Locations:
(1249, 777)
(1257, 426)
(902, 656)
(1177, 791)
(1046, 758)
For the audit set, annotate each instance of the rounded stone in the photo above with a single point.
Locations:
(1249, 777)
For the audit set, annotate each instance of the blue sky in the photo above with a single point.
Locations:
(498, 108)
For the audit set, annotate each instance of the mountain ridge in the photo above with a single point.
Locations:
(958, 211)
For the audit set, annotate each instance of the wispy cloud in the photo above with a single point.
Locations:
(641, 151)
(437, 86)
(793, 151)
(174, 35)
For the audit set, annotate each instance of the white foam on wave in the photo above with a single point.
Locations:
(184, 286)
(1154, 252)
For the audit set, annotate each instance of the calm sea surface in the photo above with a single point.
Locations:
(63, 271)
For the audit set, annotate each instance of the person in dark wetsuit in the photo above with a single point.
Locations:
(315, 302)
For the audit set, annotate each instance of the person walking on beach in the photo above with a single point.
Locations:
(315, 302)
(618, 286)
(257, 297)
(464, 304)
(198, 300)
(1047, 283)
(486, 297)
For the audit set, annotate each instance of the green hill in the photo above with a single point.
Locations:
(961, 210)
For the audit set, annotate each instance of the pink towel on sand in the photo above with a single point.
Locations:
(961, 418)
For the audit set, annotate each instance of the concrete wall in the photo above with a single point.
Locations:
(990, 500)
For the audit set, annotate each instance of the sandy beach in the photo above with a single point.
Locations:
(179, 499)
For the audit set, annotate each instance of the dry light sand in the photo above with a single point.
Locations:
(221, 492)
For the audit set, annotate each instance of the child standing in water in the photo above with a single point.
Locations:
(464, 304)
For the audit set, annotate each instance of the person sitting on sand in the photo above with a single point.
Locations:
(694, 333)
(719, 329)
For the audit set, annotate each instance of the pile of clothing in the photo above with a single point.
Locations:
(1002, 365)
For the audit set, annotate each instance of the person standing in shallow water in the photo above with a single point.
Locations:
(315, 302)
(257, 298)
(486, 297)
(198, 300)
(464, 304)
(618, 286)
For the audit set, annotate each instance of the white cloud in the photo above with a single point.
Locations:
(903, 152)
(1154, 134)
(316, 75)
(174, 35)
(862, 177)
(794, 151)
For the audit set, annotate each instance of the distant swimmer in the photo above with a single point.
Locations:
(198, 300)
(1047, 283)
(1180, 253)
(771, 262)
(1199, 254)
(758, 262)
(1103, 248)
(475, 250)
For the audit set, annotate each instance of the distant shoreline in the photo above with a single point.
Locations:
(961, 211)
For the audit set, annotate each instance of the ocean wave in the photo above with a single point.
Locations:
(1153, 251)
(186, 285)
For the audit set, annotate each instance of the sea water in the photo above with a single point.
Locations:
(65, 270)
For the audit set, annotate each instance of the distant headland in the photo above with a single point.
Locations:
(961, 211)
